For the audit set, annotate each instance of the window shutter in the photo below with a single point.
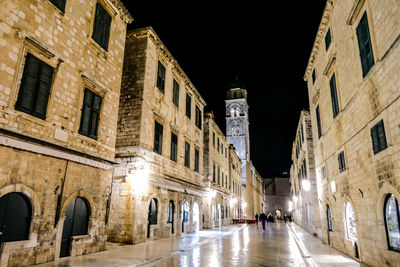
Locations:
(43, 90)
(365, 46)
(86, 112)
(318, 122)
(382, 136)
(95, 116)
(26, 97)
(334, 97)
(375, 140)
(101, 27)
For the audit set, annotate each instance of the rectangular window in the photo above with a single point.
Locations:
(214, 140)
(198, 117)
(188, 106)
(364, 45)
(318, 122)
(301, 132)
(90, 114)
(161, 77)
(60, 4)
(219, 175)
(378, 137)
(341, 161)
(313, 76)
(101, 27)
(328, 39)
(218, 144)
(158, 134)
(334, 96)
(187, 154)
(35, 86)
(213, 173)
(175, 93)
(222, 148)
(196, 160)
(174, 147)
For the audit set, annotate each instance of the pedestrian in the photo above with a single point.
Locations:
(270, 220)
(263, 218)
(256, 217)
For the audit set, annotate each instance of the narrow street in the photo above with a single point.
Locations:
(237, 245)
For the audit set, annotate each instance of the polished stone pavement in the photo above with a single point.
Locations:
(236, 245)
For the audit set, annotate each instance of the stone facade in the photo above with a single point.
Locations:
(353, 85)
(222, 175)
(302, 178)
(276, 196)
(151, 116)
(45, 160)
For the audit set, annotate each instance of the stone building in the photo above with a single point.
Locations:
(302, 178)
(222, 176)
(353, 85)
(158, 189)
(276, 196)
(61, 68)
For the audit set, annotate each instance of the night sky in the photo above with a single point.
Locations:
(267, 48)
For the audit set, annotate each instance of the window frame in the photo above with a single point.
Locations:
(366, 65)
(318, 118)
(161, 74)
(159, 142)
(174, 148)
(328, 39)
(187, 155)
(90, 126)
(198, 117)
(103, 42)
(175, 93)
(341, 162)
(387, 197)
(334, 95)
(196, 160)
(379, 141)
(188, 106)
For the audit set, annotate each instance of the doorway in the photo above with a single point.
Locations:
(15, 217)
(76, 223)
(185, 215)
(152, 215)
(329, 223)
(196, 216)
(171, 212)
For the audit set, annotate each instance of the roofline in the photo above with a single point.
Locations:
(318, 39)
(150, 33)
(125, 15)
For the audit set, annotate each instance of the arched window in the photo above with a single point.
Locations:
(153, 211)
(15, 217)
(350, 222)
(391, 215)
(171, 208)
(329, 218)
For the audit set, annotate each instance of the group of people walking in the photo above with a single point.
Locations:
(270, 219)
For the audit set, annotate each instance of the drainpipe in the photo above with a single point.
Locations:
(109, 198)
(59, 197)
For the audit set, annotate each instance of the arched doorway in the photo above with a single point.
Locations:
(171, 211)
(152, 215)
(329, 223)
(185, 215)
(76, 223)
(15, 217)
(196, 216)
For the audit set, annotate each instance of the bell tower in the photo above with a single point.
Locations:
(237, 125)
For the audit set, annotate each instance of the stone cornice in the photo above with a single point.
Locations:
(324, 24)
(123, 12)
(149, 32)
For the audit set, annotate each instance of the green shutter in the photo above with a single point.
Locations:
(375, 141)
(43, 90)
(334, 96)
(364, 45)
(101, 27)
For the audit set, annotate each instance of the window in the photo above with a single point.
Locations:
(174, 147)
(158, 134)
(342, 163)
(329, 218)
(378, 137)
(35, 87)
(222, 148)
(188, 106)
(364, 44)
(301, 132)
(90, 114)
(334, 96)
(187, 154)
(196, 160)
(318, 122)
(175, 93)
(313, 76)
(60, 4)
(219, 181)
(161, 77)
(350, 223)
(213, 173)
(391, 215)
(198, 117)
(101, 27)
(185, 210)
(323, 174)
(153, 210)
(214, 140)
(328, 39)
(218, 144)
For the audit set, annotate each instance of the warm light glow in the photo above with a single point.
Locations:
(211, 194)
(138, 176)
(295, 199)
(333, 186)
(233, 201)
(290, 206)
(306, 185)
(244, 205)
